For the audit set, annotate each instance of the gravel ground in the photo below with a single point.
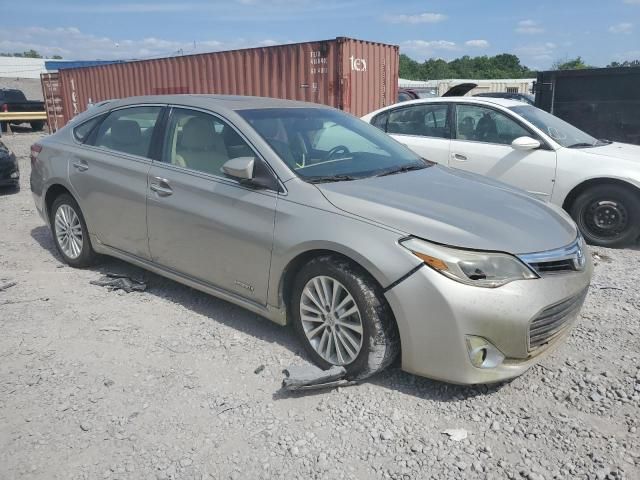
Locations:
(161, 385)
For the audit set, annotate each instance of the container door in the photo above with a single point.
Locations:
(201, 223)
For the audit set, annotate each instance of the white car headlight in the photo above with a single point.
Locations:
(482, 269)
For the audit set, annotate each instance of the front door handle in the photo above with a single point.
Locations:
(459, 157)
(161, 187)
(81, 166)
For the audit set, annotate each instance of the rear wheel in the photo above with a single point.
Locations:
(342, 318)
(37, 125)
(70, 232)
(608, 215)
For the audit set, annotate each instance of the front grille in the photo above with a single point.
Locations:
(571, 258)
(553, 320)
(556, 266)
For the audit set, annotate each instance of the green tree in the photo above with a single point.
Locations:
(626, 63)
(499, 66)
(31, 54)
(56, 57)
(570, 64)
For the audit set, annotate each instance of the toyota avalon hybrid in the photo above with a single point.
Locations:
(308, 216)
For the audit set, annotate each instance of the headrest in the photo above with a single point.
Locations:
(198, 133)
(125, 132)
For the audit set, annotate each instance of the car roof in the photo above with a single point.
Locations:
(224, 102)
(503, 102)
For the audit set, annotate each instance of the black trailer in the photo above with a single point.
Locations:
(604, 102)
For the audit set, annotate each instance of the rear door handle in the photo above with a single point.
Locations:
(161, 187)
(81, 166)
(459, 157)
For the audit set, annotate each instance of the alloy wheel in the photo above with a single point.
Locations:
(68, 231)
(331, 320)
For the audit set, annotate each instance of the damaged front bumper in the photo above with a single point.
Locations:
(468, 335)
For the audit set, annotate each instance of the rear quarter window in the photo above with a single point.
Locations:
(82, 132)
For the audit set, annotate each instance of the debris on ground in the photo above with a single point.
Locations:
(310, 377)
(118, 281)
(456, 434)
(7, 285)
(259, 369)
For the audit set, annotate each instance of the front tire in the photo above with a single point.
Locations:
(608, 215)
(340, 314)
(70, 232)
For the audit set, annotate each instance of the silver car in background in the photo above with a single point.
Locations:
(306, 215)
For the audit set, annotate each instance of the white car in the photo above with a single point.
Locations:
(596, 181)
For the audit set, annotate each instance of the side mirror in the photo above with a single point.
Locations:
(240, 168)
(525, 143)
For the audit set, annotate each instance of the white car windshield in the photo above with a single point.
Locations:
(324, 145)
(562, 132)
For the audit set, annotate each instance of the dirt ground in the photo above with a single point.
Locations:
(162, 385)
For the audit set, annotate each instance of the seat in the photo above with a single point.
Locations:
(466, 128)
(486, 130)
(126, 137)
(200, 147)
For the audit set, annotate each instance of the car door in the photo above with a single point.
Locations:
(424, 128)
(108, 171)
(482, 144)
(201, 223)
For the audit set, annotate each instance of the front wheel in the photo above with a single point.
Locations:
(70, 232)
(608, 215)
(342, 318)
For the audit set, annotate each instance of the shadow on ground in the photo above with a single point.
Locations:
(246, 322)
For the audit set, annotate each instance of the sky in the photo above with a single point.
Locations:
(538, 31)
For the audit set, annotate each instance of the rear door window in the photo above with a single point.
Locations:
(421, 120)
(128, 130)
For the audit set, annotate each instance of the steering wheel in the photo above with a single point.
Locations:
(335, 150)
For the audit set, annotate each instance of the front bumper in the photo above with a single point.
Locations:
(9, 174)
(436, 314)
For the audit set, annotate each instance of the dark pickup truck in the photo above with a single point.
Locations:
(12, 100)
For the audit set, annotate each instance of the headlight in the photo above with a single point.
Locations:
(482, 269)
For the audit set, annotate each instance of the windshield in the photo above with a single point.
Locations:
(327, 145)
(562, 132)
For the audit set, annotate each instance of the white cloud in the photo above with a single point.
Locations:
(529, 27)
(477, 43)
(424, 48)
(417, 18)
(71, 43)
(536, 55)
(624, 27)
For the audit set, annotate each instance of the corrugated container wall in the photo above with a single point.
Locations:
(353, 75)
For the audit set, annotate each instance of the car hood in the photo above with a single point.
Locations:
(455, 208)
(623, 151)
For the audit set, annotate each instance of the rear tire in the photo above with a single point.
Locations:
(70, 232)
(608, 215)
(351, 321)
(37, 125)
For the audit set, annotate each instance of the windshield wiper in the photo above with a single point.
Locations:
(331, 178)
(406, 168)
(582, 145)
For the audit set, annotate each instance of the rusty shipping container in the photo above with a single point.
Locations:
(353, 75)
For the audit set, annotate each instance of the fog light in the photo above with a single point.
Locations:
(482, 353)
(14, 175)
